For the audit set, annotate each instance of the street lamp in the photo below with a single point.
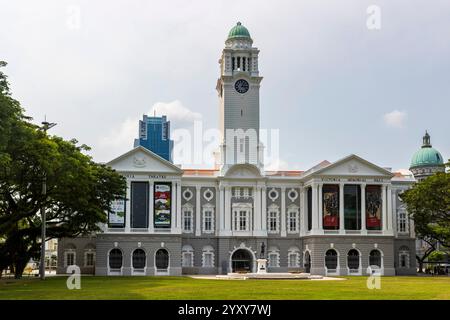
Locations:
(45, 126)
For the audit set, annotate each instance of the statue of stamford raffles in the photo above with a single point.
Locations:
(263, 250)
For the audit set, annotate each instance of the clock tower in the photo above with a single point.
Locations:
(238, 90)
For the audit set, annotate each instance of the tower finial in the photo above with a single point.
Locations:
(426, 140)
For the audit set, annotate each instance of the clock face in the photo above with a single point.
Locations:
(241, 86)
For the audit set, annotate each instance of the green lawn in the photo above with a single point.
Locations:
(188, 288)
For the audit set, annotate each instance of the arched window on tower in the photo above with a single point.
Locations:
(243, 63)
(239, 63)
(233, 63)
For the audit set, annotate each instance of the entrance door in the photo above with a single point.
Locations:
(162, 262)
(307, 262)
(241, 261)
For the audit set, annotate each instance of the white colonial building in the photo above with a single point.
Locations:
(336, 218)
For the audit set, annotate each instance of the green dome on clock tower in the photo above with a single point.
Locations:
(239, 31)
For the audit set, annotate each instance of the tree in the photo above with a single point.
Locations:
(428, 204)
(79, 191)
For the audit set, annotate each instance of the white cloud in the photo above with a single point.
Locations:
(175, 111)
(395, 119)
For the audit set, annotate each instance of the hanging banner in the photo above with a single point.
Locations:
(116, 217)
(330, 206)
(373, 207)
(162, 205)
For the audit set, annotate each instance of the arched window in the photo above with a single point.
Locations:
(353, 260)
(274, 257)
(162, 259)
(293, 257)
(115, 259)
(331, 260)
(139, 259)
(375, 258)
(208, 257)
(402, 221)
(403, 257)
(187, 258)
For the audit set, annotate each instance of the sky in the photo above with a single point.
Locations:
(339, 78)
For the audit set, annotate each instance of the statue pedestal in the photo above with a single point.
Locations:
(262, 266)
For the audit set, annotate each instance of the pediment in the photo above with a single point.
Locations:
(143, 160)
(353, 166)
(244, 171)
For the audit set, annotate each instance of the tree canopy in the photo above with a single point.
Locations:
(79, 190)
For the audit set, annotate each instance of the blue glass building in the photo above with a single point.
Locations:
(154, 134)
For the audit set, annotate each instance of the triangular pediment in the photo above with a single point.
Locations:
(143, 160)
(353, 166)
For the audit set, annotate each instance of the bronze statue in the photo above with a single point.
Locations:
(263, 249)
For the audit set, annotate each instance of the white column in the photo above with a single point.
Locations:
(303, 215)
(221, 209)
(128, 207)
(363, 209)
(389, 208)
(383, 208)
(257, 210)
(263, 210)
(315, 215)
(178, 224)
(228, 226)
(320, 208)
(198, 230)
(151, 210)
(217, 226)
(283, 211)
(341, 208)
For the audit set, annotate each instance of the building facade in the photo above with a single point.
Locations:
(340, 218)
(154, 134)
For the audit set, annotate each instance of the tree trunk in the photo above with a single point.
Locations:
(420, 266)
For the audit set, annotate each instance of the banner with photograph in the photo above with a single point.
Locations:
(373, 207)
(162, 205)
(330, 198)
(116, 217)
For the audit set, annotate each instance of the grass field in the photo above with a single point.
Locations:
(188, 288)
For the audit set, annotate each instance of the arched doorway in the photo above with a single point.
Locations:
(162, 262)
(241, 261)
(307, 262)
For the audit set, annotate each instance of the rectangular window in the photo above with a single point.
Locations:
(207, 260)
(89, 259)
(402, 221)
(187, 259)
(207, 222)
(273, 221)
(242, 220)
(293, 260)
(187, 220)
(293, 221)
(352, 207)
(273, 260)
(139, 204)
(70, 258)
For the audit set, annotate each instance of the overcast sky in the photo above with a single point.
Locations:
(331, 85)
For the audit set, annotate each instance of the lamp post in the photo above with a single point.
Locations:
(45, 126)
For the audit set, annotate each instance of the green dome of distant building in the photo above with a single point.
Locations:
(239, 31)
(427, 155)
